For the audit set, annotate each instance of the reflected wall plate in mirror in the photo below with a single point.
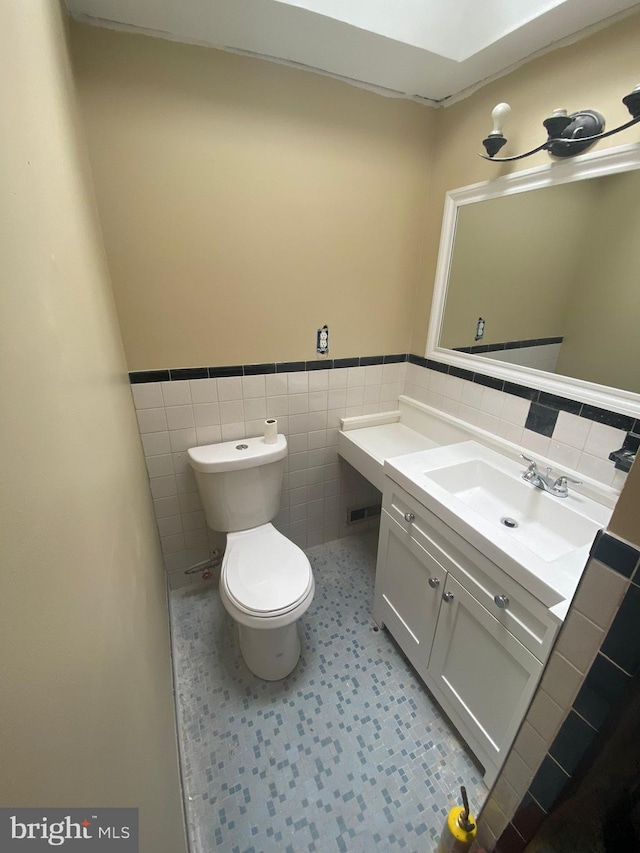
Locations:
(549, 259)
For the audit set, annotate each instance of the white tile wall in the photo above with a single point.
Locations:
(577, 443)
(318, 486)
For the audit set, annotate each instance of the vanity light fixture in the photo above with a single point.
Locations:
(568, 134)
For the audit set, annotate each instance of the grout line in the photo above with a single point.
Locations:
(583, 720)
(556, 762)
(617, 665)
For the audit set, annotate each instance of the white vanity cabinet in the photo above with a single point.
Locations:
(477, 638)
(408, 594)
(482, 676)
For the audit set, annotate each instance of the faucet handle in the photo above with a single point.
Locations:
(563, 480)
(532, 471)
(560, 489)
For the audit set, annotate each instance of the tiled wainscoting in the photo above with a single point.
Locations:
(179, 409)
(586, 679)
(573, 435)
(319, 487)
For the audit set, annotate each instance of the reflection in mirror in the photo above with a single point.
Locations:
(554, 275)
(538, 277)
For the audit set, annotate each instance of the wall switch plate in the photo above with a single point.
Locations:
(322, 340)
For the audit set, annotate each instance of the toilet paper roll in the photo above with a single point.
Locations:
(270, 431)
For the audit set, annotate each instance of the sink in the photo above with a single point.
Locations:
(541, 540)
(550, 528)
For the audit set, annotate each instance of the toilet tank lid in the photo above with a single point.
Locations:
(236, 455)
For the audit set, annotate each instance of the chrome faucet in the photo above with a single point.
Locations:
(555, 486)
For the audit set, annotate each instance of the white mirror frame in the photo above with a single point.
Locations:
(599, 163)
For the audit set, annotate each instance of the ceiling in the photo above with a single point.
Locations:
(432, 50)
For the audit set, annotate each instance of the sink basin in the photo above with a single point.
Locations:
(541, 540)
(550, 528)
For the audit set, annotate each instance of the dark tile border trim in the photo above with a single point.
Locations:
(603, 416)
(616, 554)
(140, 376)
(259, 369)
(136, 377)
(290, 366)
(230, 370)
(549, 401)
(189, 373)
(497, 347)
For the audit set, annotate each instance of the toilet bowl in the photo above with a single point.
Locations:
(266, 583)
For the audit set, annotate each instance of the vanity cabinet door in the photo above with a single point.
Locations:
(481, 674)
(408, 592)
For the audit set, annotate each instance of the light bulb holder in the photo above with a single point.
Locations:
(632, 102)
(557, 124)
(493, 143)
(576, 135)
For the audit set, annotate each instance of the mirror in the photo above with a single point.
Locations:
(537, 279)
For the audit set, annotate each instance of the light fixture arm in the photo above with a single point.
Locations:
(517, 156)
(568, 135)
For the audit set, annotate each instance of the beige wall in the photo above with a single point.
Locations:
(602, 324)
(86, 701)
(244, 204)
(593, 73)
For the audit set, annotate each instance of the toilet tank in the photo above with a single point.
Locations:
(240, 482)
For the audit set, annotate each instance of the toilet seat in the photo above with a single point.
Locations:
(264, 574)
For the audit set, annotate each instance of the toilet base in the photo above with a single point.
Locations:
(270, 654)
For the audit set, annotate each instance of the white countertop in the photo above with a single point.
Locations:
(386, 448)
(549, 562)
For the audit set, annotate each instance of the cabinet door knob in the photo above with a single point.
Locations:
(501, 601)
(447, 596)
(434, 583)
(410, 517)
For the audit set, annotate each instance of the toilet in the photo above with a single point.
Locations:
(266, 582)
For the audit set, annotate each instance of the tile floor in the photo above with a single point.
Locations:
(346, 754)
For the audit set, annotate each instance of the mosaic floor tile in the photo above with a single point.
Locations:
(348, 753)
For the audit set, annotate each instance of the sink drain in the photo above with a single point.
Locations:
(508, 522)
